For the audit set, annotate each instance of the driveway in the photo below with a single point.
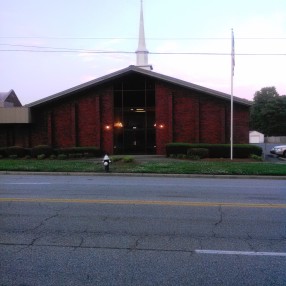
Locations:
(268, 157)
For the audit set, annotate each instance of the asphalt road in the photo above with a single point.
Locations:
(108, 230)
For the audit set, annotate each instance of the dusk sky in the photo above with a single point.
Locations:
(50, 46)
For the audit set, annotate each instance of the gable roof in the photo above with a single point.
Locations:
(10, 97)
(135, 69)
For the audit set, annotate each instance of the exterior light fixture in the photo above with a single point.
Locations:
(107, 127)
(160, 126)
(118, 124)
(140, 110)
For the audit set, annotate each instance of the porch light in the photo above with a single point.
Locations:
(140, 110)
(161, 126)
(118, 124)
(107, 127)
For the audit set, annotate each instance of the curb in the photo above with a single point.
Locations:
(143, 175)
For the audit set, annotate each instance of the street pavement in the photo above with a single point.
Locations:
(110, 230)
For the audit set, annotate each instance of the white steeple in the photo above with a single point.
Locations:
(142, 52)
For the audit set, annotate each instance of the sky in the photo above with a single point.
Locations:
(49, 46)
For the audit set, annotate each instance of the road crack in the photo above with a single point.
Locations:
(216, 224)
(220, 217)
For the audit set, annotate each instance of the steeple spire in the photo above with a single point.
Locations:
(142, 52)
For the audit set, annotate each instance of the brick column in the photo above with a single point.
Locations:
(163, 129)
(107, 120)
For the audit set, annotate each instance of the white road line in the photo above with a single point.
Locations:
(25, 183)
(249, 253)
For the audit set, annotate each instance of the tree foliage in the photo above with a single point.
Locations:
(268, 112)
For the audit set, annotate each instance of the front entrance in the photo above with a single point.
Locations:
(134, 115)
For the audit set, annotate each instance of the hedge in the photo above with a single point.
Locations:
(199, 152)
(42, 150)
(215, 150)
(84, 151)
(48, 151)
(16, 151)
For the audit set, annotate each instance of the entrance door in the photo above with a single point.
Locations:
(134, 114)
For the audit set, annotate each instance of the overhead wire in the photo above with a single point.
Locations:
(48, 49)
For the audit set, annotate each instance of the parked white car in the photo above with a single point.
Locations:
(279, 150)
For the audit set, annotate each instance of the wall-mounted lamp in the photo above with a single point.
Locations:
(161, 126)
(107, 127)
(118, 124)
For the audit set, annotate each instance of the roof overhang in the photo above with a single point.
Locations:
(134, 69)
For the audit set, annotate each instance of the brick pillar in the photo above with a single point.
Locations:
(163, 129)
(107, 120)
(98, 124)
(50, 128)
(73, 124)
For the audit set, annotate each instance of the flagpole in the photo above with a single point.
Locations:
(231, 98)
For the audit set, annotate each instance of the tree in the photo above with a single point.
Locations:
(268, 112)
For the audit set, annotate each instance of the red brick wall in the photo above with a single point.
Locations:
(185, 116)
(212, 121)
(107, 120)
(163, 115)
(14, 135)
(87, 120)
(79, 121)
(39, 127)
(196, 118)
(240, 124)
(63, 125)
(182, 115)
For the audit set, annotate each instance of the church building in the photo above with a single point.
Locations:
(131, 111)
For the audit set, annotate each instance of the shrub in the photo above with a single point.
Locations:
(86, 151)
(3, 152)
(255, 157)
(194, 157)
(41, 150)
(177, 148)
(13, 157)
(116, 159)
(199, 152)
(216, 150)
(17, 151)
(41, 157)
(128, 159)
(62, 156)
(181, 156)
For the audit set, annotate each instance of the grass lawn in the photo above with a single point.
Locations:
(158, 167)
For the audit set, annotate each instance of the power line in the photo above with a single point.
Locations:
(48, 49)
(132, 52)
(135, 38)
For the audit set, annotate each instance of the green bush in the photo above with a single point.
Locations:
(13, 157)
(3, 152)
(42, 150)
(255, 157)
(62, 156)
(199, 152)
(128, 159)
(17, 151)
(216, 150)
(85, 151)
(116, 159)
(41, 156)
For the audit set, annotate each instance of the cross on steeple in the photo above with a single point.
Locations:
(142, 52)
